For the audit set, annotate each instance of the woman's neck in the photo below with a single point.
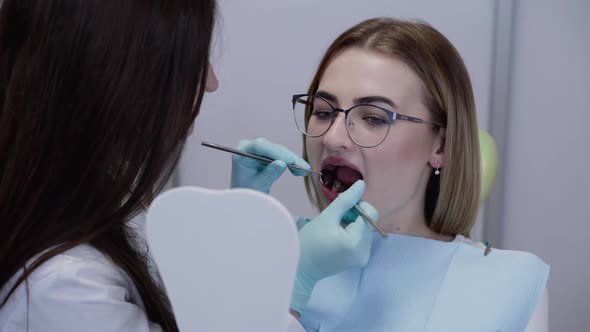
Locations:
(411, 224)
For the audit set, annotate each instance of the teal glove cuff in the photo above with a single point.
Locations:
(300, 297)
(306, 278)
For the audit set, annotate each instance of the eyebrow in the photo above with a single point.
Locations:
(362, 100)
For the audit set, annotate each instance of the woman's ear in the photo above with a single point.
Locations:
(437, 157)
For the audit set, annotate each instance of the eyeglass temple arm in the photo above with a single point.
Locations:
(296, 97)
(398, 116)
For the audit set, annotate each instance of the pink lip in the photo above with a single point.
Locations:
(330, 196)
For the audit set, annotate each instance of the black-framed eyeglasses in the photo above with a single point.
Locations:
(367, 124)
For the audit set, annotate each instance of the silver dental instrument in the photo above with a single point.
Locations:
(357, 208)
(255, 156)
(360, 211)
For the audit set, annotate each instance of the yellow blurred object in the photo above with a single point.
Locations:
(489, 162)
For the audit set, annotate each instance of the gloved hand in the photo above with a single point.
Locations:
(327, 248)
(259, 175)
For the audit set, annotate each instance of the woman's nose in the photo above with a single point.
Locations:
(337, 137)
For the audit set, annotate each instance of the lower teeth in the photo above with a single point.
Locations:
(336, 186)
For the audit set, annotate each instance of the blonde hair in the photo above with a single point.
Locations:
(452, 198)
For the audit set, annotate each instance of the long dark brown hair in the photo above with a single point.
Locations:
(96, 100)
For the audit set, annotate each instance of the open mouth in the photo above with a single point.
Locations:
(338, 178)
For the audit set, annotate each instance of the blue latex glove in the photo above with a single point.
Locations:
(327, 248)
(259, 175)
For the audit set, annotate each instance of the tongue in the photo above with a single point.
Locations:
(347, 176)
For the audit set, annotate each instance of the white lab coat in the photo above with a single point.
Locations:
(83, 290)
(79, 290)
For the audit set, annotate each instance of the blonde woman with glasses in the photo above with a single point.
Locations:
(389, 119)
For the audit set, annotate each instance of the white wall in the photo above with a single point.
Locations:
(547, 191)
(267, 50)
